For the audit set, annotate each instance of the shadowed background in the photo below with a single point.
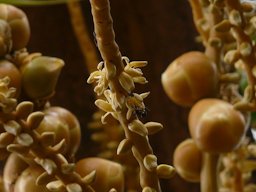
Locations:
(156, 31)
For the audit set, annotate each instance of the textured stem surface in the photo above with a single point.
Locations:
(198, 17)
(105, 35)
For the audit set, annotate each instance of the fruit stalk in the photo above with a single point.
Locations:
(209, 173)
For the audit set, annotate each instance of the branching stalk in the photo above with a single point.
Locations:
(116, 78)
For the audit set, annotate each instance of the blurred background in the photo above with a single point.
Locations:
(153, 30)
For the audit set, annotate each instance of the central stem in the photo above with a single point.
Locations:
(112, 57)
(208, 173)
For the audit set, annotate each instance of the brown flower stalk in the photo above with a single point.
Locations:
(199, 19)
(116, 77)
(89, 51)
(80, 28)
(106, 136)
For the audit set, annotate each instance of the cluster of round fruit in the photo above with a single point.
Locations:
(192, 80)
(34, 77)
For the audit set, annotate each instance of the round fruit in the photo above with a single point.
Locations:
(55, 125)
(216, 126)
(13, 168)
(27, 181)
(187, 160)
(18, 23)
(190, 77)
(5, 38)
(40, 76)
(72, 123)
(8, 69)
(108, 173)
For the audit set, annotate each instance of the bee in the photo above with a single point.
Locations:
(141, 112)
(137, 105)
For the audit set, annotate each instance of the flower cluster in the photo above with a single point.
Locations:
(130, 75)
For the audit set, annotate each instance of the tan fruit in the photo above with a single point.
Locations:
(72, 124)
(27, 181)
(108, 173)
(10, 70)
(216, 126)
(18, 24)
(13, 168)
(190, 77)
(40, 76)
(187, 160)
(55, 125)
(5, 38)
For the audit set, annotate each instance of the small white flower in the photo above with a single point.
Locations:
(99, 77)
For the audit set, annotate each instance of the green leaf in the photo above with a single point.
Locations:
(34, 2)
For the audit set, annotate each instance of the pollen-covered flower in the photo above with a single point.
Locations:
(99, 77)
(134, 71)
(135, 103)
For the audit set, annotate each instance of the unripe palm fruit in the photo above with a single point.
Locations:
(187, 160)
(108, 173)
(13, 168)
(5, 38)
(190, 77)
(216, 126)
(72, 123)
(40, 76)
(18, 23)
(9, 69)
(27, 181)
(58, 127)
